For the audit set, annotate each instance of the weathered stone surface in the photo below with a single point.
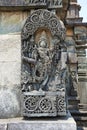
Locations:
(63, 60)
(72, 57)
(82, 66)
(80, 30)
(39, 124)
(83, 91)
(10, 48)
(44, 124)
(10, 59)
(10, 71)
(11, 2)
(82, 70)
(74, 20)
(9, 102)
(3, 126)
(11, 22)
(82, 60)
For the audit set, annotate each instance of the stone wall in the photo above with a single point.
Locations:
(11, 24)
(10, 66)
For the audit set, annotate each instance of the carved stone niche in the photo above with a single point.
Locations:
(43, 76)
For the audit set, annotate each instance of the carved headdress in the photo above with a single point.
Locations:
(43, 42)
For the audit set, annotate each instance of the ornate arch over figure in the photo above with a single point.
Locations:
(43, 76)
(43, 18)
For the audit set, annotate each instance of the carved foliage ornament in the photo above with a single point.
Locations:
(48, 105)
(43, 18)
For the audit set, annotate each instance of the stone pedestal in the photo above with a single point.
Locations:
(58, 123)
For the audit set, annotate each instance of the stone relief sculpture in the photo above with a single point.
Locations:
(37, 1)
(80, 33)
(43, 73)
(47, 3)
(72, 61)
(55, 2)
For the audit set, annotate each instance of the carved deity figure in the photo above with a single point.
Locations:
(40, 62)
(44, 60)
(45, 73)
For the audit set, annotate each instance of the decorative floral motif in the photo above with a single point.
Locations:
(45, 105)
(30, 104)
(40, 19)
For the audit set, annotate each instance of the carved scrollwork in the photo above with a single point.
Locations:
(45, 105)
(43, 18)
(30, 104)
(46, 15)
(35, 18)
(53, 23)
(61, 103)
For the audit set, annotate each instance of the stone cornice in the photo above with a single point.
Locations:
(21, 5)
